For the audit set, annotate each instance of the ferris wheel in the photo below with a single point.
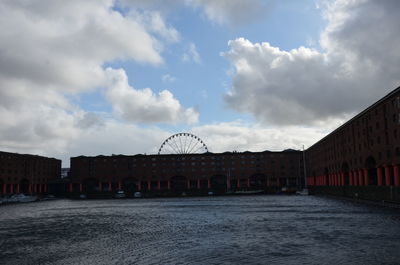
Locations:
(183, 143)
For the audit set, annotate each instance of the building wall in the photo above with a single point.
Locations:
(364, 151)
(198, 171)
(27, 173)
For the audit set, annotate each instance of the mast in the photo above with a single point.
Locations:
(304, 166)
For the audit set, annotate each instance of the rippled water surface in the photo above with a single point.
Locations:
(204, 230)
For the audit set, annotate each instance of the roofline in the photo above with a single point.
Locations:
(390, 94)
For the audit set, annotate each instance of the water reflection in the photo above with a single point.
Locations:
(209, 230)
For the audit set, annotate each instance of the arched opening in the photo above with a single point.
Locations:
(326, 171)
(258, 181)
(345, 171)
(24, 186)
(179, 183)
(370, 165)
(90, 185)
(218, 183)
(129, 185)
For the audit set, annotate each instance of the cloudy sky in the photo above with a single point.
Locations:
(119, 76)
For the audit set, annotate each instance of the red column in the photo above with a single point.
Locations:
(169, 184)
(360, 178)
(80, 187)
(109, 186)
(355, 180)
(34, 188)
(351, 178)
(159, 185)
(139, 185)
(18, 188)
(188, 184)
(30, 188)
(238, 182)
(379, 170)
(70, 187)
(198, 183)
(342, 179)
(248, 183)
(388, 175)
(396, 171)
(209, 183)
(4, 188)
(45, 188)
(366, 182)
(11, 188)
(40, 188)
(277, 182)
(228, 184)
(148, 185)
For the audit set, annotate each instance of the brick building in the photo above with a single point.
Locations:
(365, 151)
(22, 173)
(220, 172)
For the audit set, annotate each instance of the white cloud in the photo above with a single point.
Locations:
(358, 65)
(224, 12)
(191, 54)
(167, 78)
(240, 136)
(143, 105)
(51, 51)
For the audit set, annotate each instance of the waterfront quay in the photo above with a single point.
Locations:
(264, 229)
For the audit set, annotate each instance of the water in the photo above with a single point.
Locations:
(204, 230)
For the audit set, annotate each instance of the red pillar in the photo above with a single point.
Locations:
(228, 184)
(80, 187)
(11, 188)
(366, 182)
(109, 186)
(188, 184)
(198, 183)
(277, 182)
(248, 183)
(238, 182)
(139, 185)
(169, 184)
(360, 178)
(148, 185)
(342, 179)
(4, 188)
(396, 171)
(380, 178)
(209, 183)
(40, 188)
(355, 177)
(34, 188)
(45, 188)
(351, 178)
(70, 187)
(159, 185)
(30, 188)
(388, 175)
(18, 188)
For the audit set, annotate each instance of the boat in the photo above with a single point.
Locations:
(302, 192)
(22, 198)
(249, 192)
(119, 194)
(137, 194)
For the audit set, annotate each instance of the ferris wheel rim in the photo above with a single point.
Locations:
(178, 149)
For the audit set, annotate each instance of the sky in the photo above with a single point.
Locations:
(120, 76)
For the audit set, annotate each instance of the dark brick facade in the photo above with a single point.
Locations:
(365, 151)
(208, 171)
(27, 173)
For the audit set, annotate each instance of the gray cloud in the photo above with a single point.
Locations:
(358, 65)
